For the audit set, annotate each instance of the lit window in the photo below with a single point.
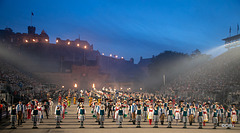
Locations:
(68, 43)
(85, 46)
(46, 40)
(56, 41)
(34, 40)
(78, 45)
(26, 40)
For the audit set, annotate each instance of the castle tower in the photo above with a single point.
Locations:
(31, 30)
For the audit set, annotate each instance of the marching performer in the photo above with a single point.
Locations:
(29, 110)
(185, 115)
(120, 117)
(101, 118)
(156, 117)
(200, 118)
(170, 117)
(133, 110)
(13, 117)
(35, 116)
(222, 113)
(205, 116)
(228, 117)
(191, 115)
(50, 106)
(215, 118)
(20, 110)
(82, 116)
(150, 114)
(177, 114)
(145, 112)
(58, 117)
(234, 117)
(139, 115)
(162, 114)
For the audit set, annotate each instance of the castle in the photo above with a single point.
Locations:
(69, 62)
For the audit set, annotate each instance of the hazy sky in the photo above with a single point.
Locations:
(128, 28)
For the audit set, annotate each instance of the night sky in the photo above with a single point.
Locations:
(128, 28)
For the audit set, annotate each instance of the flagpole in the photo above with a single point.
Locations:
(31, 18)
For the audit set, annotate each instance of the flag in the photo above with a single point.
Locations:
(237, 28)
(32, 14)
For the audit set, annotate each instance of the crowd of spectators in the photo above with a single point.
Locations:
(211, 81)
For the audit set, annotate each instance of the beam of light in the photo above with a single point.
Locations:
(214, 52)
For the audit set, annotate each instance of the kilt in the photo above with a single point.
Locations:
(200, 119)
(35, 118)
(138, 118)
(101, 118)
(13, 118)
(215, 120)
(81, 118)
(156, 118)
(184, 118)
(170, 118)
(120, 118)
(58, 117)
